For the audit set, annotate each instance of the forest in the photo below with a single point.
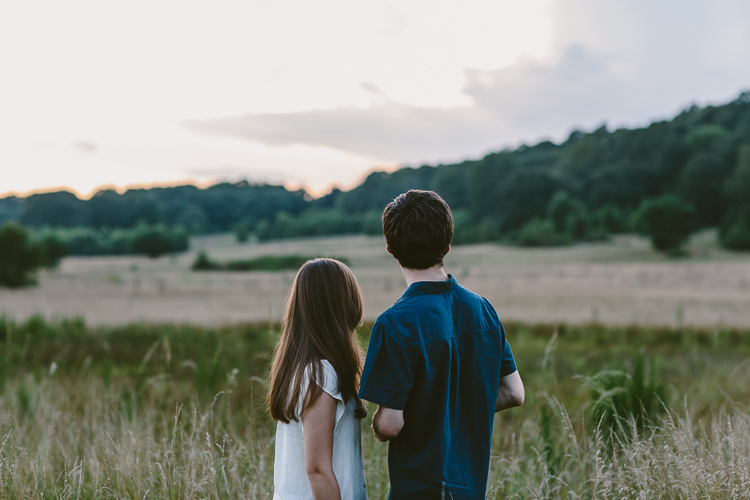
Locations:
(665, 180)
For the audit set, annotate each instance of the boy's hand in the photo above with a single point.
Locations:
(374, 433)
(387, 423)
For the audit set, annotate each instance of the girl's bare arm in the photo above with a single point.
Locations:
(319, 420)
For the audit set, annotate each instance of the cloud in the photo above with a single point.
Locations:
(626, 62)
(389, 20)
(387, 129)
(85, 146)
(506, 105)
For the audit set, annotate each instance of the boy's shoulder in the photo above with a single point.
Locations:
(458, 294)
(411, 308)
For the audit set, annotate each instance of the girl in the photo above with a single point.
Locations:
(313, 391)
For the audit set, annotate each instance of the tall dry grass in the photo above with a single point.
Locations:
(178, 413)
(75, 438)
(675, 458)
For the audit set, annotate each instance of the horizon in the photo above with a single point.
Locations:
(314, 194)
(192, 182)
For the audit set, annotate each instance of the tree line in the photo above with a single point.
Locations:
(676, 176)
(214, 209)
(666, 180)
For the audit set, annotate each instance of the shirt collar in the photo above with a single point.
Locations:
(422, 287)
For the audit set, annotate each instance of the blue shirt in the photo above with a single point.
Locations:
(438, 354)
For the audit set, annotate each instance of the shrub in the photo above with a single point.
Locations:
(241, 232)
(157, 240)
(263, 230)
(263, 263)
(577, 226)
(267, 263)
(84, 241)
(151, 240)
(372, 223)
(734, 234)
(701, 184)
(319, 222)
(19, 256)
(466, 230)
(153, 243)
(203, 263)
(541, 233)
(53, 249)
(611, 219)
(738, 185)
(568, 215)
(667, 221)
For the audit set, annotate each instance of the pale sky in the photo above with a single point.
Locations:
(313, 94)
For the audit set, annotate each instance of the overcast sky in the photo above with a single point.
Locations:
(315, 94)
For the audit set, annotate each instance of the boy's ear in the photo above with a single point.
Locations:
(448, 248)
(388, 249)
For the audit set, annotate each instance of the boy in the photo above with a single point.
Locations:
(438, 365)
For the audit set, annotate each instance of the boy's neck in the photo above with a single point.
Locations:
(434, 273)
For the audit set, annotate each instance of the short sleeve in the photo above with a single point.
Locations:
(329, 385)
(387, 377)
(508, 363)
(330, 381)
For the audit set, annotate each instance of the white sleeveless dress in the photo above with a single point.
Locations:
(289, 475)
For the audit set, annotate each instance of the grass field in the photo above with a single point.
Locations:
(620, 282)
(145, 411)
(149, 380)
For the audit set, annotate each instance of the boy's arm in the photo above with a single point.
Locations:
(386, 381)
(387, 423)
(510, 393)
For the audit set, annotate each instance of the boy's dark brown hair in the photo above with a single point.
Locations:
(323, 309)
(418, 227)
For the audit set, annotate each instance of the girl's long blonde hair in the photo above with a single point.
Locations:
(323, 309)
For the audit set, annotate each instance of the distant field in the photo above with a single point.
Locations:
(620, 282)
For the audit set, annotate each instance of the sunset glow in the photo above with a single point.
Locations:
(316, 95)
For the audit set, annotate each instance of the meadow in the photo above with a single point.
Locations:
(127, 377)
(148, 411)
(618, 282)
